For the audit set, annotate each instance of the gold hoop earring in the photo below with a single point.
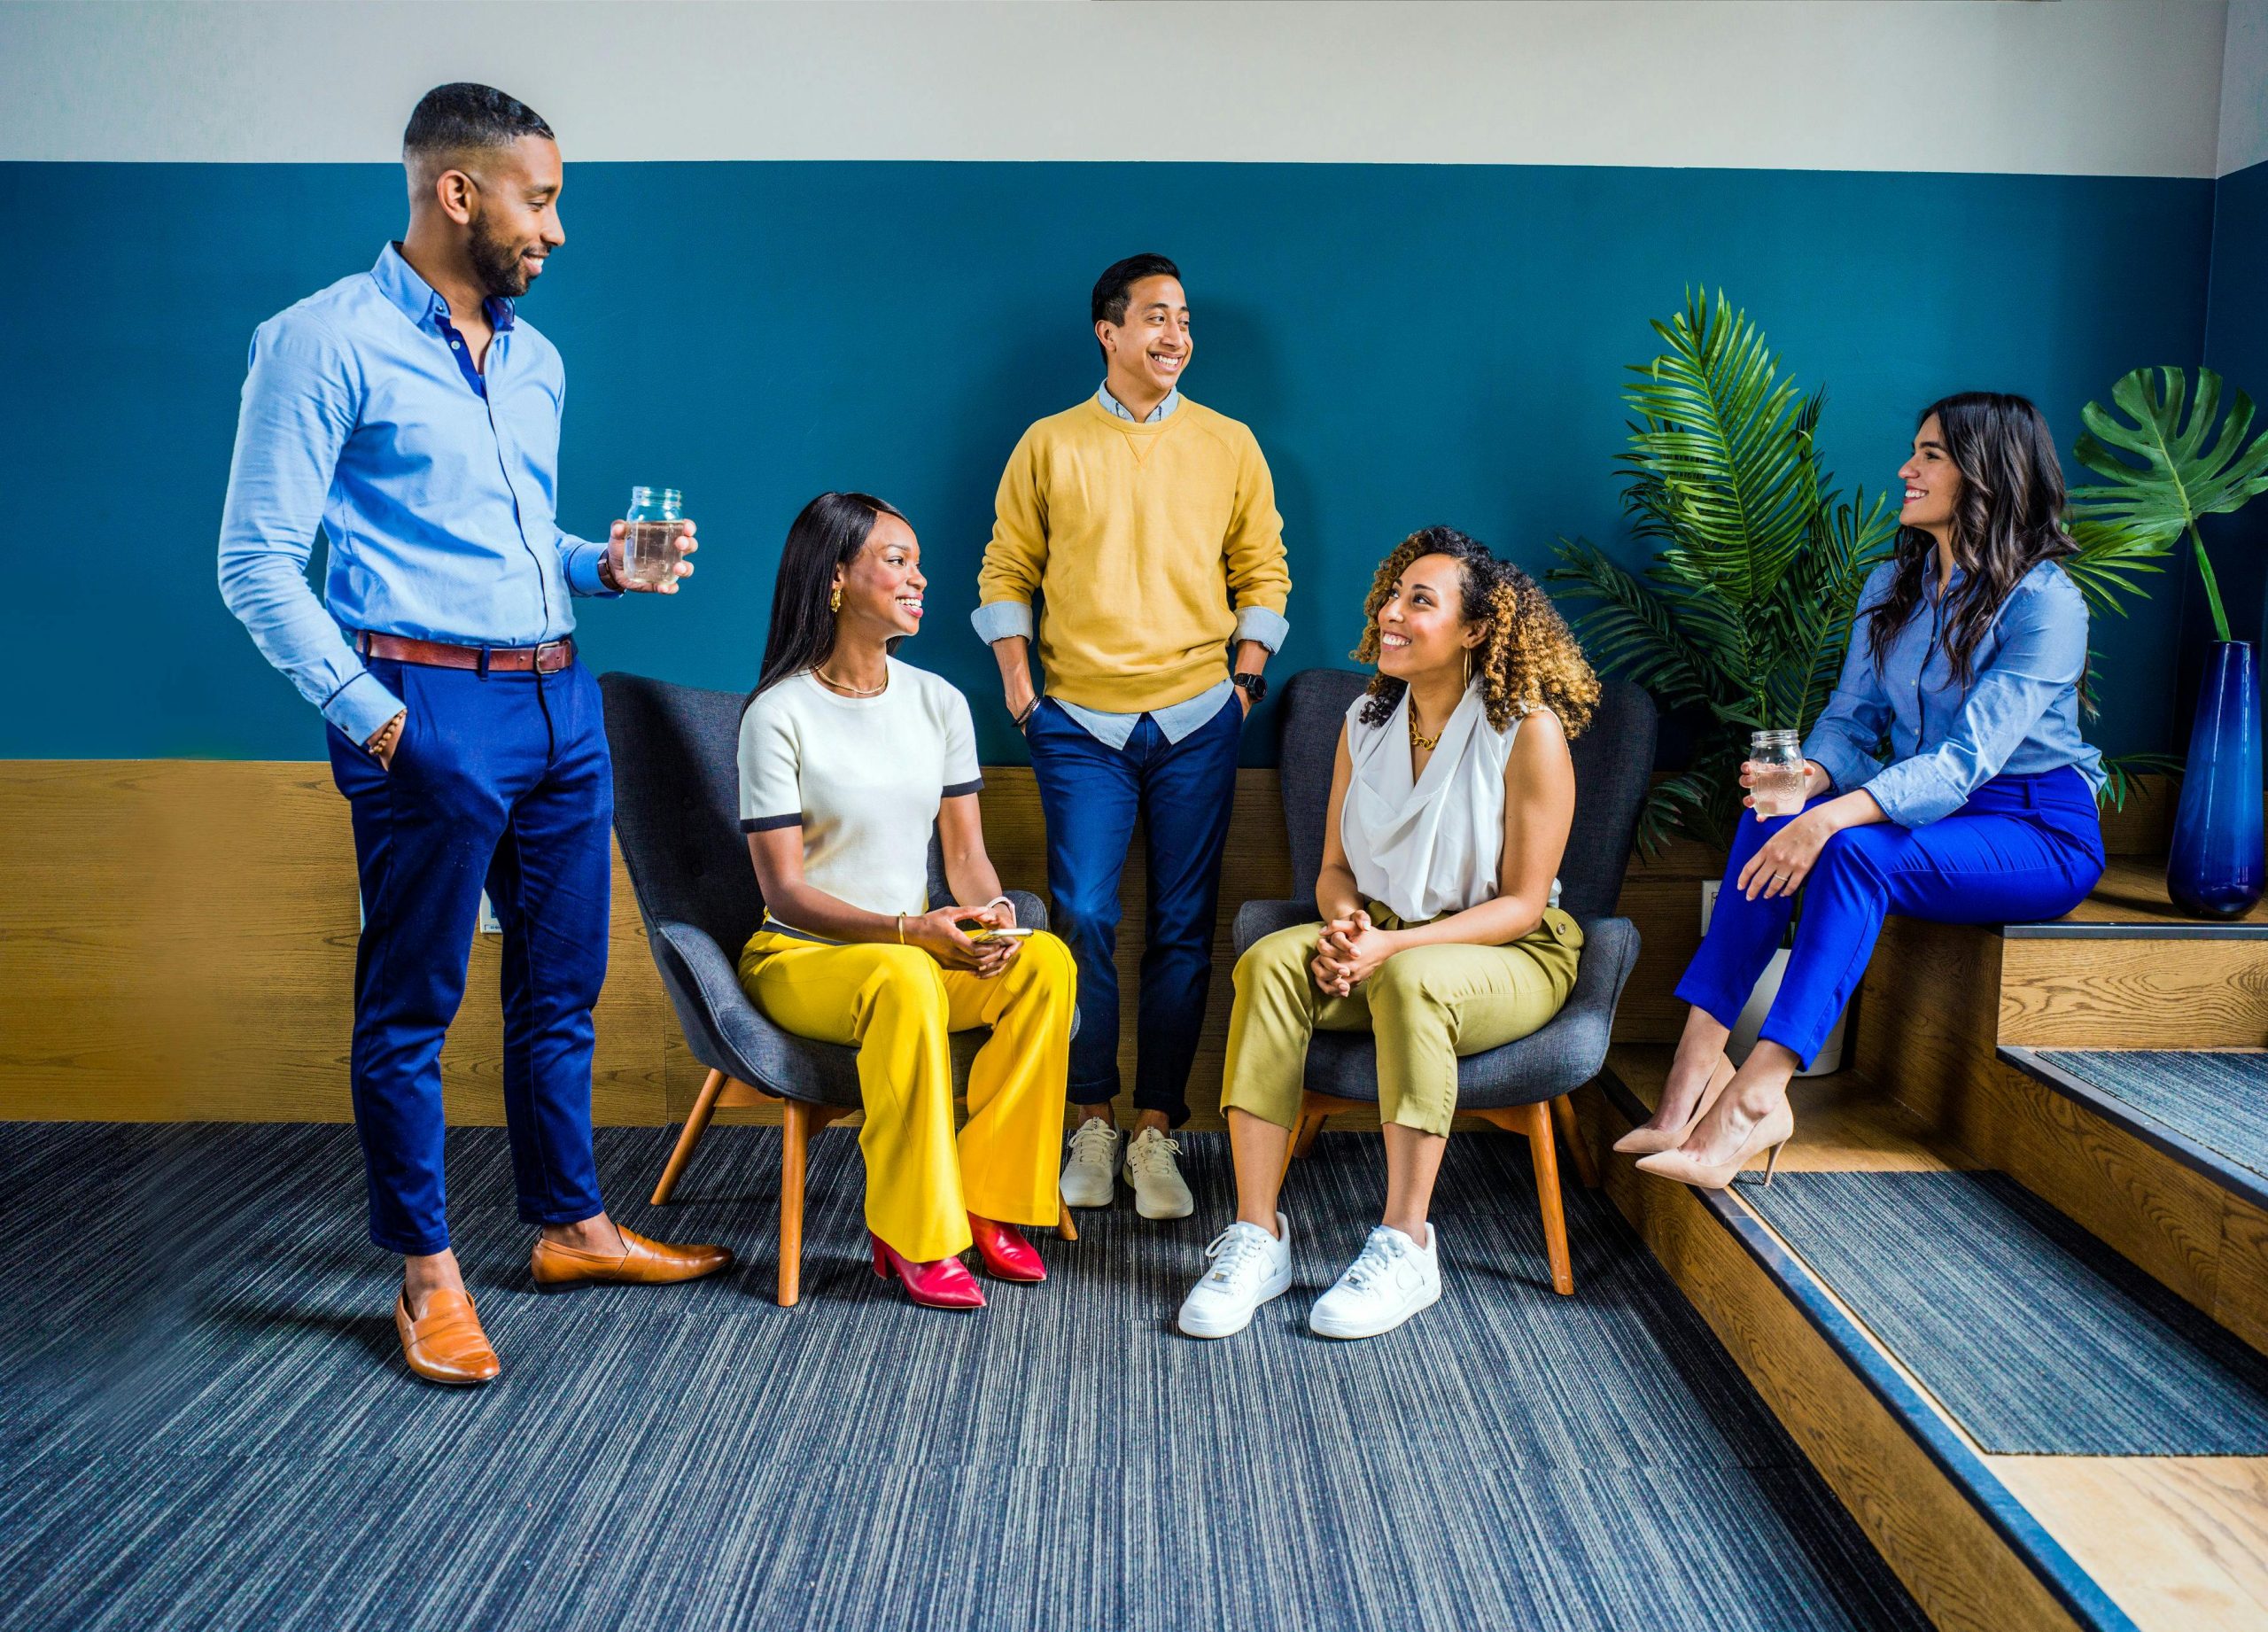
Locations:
(835, 601)
(1468, 668)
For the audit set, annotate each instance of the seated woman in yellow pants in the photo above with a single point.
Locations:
(847, 759)
(1440, 931)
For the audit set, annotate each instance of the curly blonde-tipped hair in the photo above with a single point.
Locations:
(1528, 659)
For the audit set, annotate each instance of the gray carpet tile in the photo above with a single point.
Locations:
(2037, 1337)
(2218, 1099)
(205, 1422)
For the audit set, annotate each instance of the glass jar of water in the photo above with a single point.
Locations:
(1775, 772)
(648, 559)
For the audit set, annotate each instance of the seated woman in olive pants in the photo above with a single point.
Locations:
(1440, 930)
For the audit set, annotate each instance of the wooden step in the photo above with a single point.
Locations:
(1950, 1018)
(2127, 969)
(1982, 1541)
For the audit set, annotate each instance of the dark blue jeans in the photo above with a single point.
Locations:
(2023, 848)
(1090, 795)
(502, 781)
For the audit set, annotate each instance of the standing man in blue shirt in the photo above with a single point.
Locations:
(410, 412)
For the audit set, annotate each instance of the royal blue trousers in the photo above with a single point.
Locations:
(501, 781)
(1091, 794)
(2023, 848)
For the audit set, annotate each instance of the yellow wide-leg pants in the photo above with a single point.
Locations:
(1426, 1007)
(896, 1006)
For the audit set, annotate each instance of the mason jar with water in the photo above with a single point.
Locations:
(1775, 772)
(648, 558)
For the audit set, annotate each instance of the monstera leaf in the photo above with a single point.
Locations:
(2191, 466)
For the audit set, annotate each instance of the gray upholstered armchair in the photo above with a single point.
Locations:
(676, 815)
(1522, 1086)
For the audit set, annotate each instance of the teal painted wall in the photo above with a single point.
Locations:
(2236, 346)
(1412, 344)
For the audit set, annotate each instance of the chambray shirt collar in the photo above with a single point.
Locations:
(420, 302)
(1112, 405)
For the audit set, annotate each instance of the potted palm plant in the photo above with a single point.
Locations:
(2190, 467)
(1741, 620)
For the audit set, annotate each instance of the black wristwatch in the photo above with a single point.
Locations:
(1254, 685)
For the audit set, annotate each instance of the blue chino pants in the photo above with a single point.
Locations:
(2023, 848)
(501, 781)
(1091, 794)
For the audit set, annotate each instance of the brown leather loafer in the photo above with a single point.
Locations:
(446, 1344)
(642, 1264)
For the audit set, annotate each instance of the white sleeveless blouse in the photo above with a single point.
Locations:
(1431, 845)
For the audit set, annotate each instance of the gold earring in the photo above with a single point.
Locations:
(835, 601)
(1468, 667)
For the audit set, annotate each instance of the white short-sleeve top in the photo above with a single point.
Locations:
(863, 778)
(1431, 844)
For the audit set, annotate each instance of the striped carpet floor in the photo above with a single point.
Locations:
(204, 1420)
(2220, 1100)
(2040, 1339)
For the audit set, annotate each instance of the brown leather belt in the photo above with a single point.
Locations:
(548, 658)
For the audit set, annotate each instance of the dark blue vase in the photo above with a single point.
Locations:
(2215, 868)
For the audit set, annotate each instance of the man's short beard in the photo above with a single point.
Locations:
(497, 265)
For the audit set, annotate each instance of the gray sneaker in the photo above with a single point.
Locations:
(1160, 1192)
(1089, 1177)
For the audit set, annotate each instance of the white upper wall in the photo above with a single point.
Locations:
(2082, 87)
(2244, 87)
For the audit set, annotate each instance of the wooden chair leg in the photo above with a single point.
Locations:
(1311, 1124)
(1065, 1230)
(1562, 1112)
(696, 1123)
(1542, 1151)
(795, 1128)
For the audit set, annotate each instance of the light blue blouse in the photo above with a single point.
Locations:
(2019, 715)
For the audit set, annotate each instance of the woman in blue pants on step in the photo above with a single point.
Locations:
(1967, 653)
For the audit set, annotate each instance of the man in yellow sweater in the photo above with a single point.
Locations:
(1148, 527)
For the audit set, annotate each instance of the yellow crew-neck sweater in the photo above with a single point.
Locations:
(1144, 542)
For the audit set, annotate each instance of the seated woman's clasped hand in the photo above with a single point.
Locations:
(957, 937)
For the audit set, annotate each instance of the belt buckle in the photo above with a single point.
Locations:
(558, 646)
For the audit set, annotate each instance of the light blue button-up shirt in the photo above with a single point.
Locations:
(2020, 714)
(1002, 618)
(434, 482)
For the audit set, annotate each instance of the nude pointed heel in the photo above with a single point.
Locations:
(1646, 1141)
(1767, 1135)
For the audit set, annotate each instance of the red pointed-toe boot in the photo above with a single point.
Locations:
(945, 1283)
(1006, 1255)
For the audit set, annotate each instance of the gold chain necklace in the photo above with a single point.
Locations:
(1418, 740)
(832, 684)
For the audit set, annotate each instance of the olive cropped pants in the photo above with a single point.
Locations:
(896, 1006)
(1426, 1007)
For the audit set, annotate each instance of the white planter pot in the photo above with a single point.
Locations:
(1760, 1004)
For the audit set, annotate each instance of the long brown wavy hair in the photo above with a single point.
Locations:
(2009, 519)
(1528, 657)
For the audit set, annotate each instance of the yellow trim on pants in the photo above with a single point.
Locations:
(1427, 1005)
(896, 1005)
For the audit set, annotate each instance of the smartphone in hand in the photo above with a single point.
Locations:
(977, 929)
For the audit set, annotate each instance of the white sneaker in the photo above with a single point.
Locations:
(1391, 1279)
(1088, 1176)
(1159, 1190)
(1250, 1266)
